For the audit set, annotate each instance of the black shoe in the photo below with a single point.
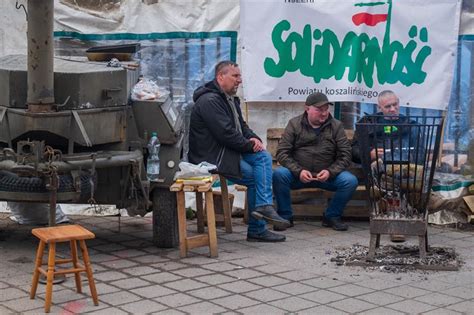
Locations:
(279, 228)
(336, 223)
(269, 214)
(266, 236)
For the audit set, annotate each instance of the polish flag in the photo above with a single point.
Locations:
(370, 19)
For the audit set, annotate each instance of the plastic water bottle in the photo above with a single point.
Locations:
(153, 162)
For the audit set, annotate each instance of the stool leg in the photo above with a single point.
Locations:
(50, 276)
(226, 205)
(199, 212)
(36, 273)
(181, 224)
(90, 277)
(211, 224)
(77, 275)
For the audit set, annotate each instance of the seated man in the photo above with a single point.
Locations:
(314, 152)
(399, 142)
(219, 135)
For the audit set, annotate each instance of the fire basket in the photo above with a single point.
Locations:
(399, 178)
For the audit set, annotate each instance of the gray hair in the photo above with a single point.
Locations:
(220, 67)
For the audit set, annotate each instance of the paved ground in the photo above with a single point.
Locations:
(297, 276)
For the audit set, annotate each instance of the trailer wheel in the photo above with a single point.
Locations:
(10, 181)
(165, 218)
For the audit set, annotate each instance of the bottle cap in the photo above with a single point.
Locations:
(154, 134)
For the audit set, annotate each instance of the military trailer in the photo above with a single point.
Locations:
(70, 133)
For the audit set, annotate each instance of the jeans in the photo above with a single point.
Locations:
(343, 184)
(256, 171)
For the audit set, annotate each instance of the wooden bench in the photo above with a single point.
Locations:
(311, 202)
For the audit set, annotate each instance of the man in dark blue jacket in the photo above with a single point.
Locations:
(219, 135)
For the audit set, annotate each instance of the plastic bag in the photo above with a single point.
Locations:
(34, 213)
(147, 89)
(192, 171)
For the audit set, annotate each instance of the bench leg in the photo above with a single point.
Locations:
(50, 276)
(181, 224)
(90, 277)
(36, 273)
(77, 275)
(211, 224)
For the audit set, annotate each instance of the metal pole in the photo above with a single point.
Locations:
(40, 55)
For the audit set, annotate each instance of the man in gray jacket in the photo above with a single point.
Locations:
(315, 152)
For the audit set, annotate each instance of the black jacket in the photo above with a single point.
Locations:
(411, 138)
(213, 136)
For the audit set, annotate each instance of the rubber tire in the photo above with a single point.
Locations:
(10, 181)
(165, 218)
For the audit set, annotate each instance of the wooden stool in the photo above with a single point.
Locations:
(203, 239)
(246, 206)
(59, 234)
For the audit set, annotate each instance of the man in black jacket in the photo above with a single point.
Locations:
(219, 135)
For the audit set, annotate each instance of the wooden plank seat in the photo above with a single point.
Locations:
(60, 234)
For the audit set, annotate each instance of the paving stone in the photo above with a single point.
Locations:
(239, 286)
(141, 270)
(459, 278)
(110, 276)
(99, 258)
(153, 291)
(323, 309)
(118, 263)
(161, 277)
(202, 308)
(107, 247)
(119, 298)
(11, 293)
(150, 259)
(352, 305)
(143, 307)
(170, 265)
(214, 279)
(323, 296)
(128, 253)
(192, 272)
(294, 288)
(103, 288)
(235, 302)
(198, 260)
(266, 295)
(378, 284)
(407, 291)
(221, 266)
(65, 296)
(293, 304)
(296, 275)
(185, 285)
(322, 282)
(382, 310)
(442, 311)
(380, 298)
(438, 299)
(411, 306)
(461, 292)
(169, 312)
(3, 285)
(465, 307)
(268, 281)
(177, 300)
(209, 293)
(20, 305)
(433, 285)
(108, 311)
(130, 283)
(350, 290)
(244, 273)
(248, 262)
(82, 306)
(262, 309)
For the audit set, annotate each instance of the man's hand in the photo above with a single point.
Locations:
(257, 145)
(374, 155)
(306, 176)
(323, 176)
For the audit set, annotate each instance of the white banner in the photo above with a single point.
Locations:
(350, 50)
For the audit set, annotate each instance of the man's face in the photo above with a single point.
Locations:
(317, 115)
(229, 79)
(389, 105)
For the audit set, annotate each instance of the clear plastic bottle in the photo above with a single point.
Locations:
(153, 162)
